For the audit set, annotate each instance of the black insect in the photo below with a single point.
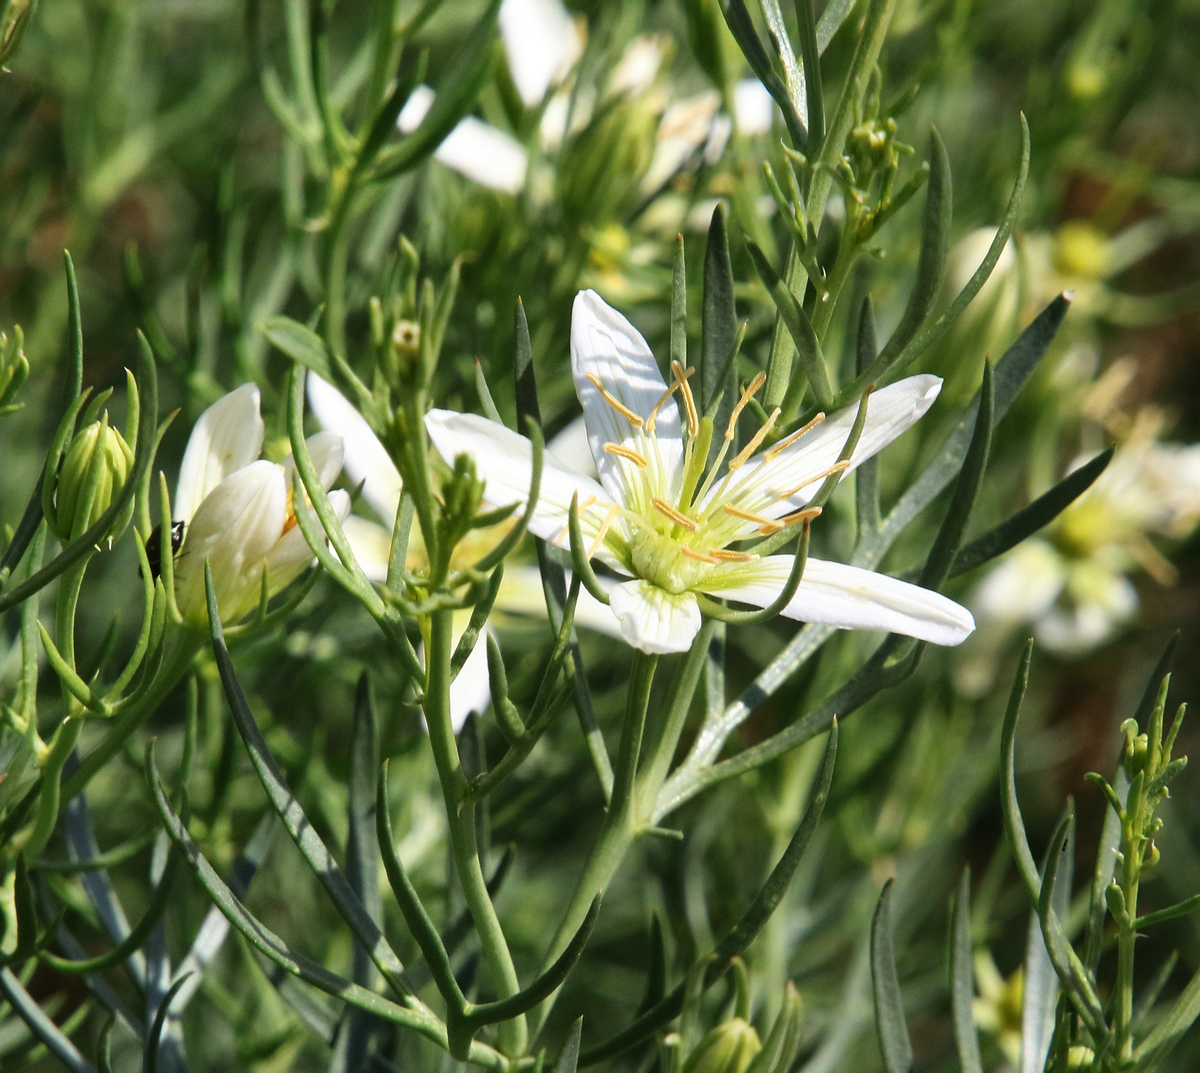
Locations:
(154, 546)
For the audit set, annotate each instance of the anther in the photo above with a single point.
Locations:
(689, 403)
(626, 452)
(771, 453)
(652, 417)
(837, 467)
(749, 516)
(805, 515)
(724, 555)
(740, 459)
(748, 393)
(675, 516)
(700, 556)
(614, 402)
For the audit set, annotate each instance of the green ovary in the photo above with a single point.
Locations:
(659, 559)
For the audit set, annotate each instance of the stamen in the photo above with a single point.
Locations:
(626, 452)
(653, 415)
(614, 402)
(699, 556)
(723, 555)
(744, 454)
(749, 516)
(750, 391)
(674, 515)
(837, 467)
(689, 403)
(771, 453)
(805, 515)
(613, 511)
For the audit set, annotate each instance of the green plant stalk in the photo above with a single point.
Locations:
(820, 178)
(1133, 838)
(177, 659)
(622, 822)
(461, 820)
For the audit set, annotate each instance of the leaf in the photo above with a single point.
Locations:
(1027, 521)
(301, 344)
(718, 319)
(890, 1024)
(962, 984)
(568, 1057)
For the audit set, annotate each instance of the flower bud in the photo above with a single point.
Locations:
(95, 468)
(1081, 251)
(728, 1048)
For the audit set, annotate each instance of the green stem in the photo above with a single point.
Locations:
(461, 820)
(176, 661)
(1133, 839)
(820, 179)
(622, 822)
(337, 254)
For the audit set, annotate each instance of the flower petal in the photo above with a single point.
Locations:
(227, 436)
(521, 594)
(606, 345)
(654, 620)
(759, 486)
(371, 544)
(847, 597)
(504, 461)
(234, 529)
(291, 555)
(471, 690)
(366, 459)
(542, 42)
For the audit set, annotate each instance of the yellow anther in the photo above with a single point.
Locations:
(675, 516)
(744, 454)
(689, 403)
(700, 556)
(614, 402)
(613, 511)
(837, 467)
(771, 453)
(626, 452)
(723, 555)
(750, 391)
(805, 515)
(652, 417)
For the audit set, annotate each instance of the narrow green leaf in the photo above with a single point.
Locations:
(718, 321)
(678, 345)
(794, 74)
(890, 1024)
(154, 1039)
(966, 489)
(1027, 521)
(73, 382)
(931, 262)
(568, 1057)
(810, 51)
(962, 983)
(29, 1010)
(301, 829)
(741, 25)
(831, 20)
(301, 344)
(362, 863)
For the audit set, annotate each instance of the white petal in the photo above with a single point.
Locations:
(471, 690)
(847, 597)
(758, 485)
(291, 555)
(325, 450)
(505, 461)
(753, 106)
(366, 460)
(1022, 586)
(521, 593)
(234, 529)
(606, 345)
(654, 620)
(542, 42)
(227, 436)
(371, 544)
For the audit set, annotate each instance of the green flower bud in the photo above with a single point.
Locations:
(1080, 1059)
(14, 19)
(96, 467)
(728, 1048)
(1136, 750)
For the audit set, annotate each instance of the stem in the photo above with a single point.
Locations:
(461, 820)
(175, 663)
(622, 821)
(1134, 840)
(337, 254)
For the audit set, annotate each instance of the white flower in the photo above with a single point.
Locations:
(237, 509)
(368, 464)
(665, 519)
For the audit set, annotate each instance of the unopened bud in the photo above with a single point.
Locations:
(96, 467)
(728, 1048)
(1081, 251)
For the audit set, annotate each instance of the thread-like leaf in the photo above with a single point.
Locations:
(894, 1044)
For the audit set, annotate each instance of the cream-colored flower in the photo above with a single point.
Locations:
(237, 509)
(663, 517)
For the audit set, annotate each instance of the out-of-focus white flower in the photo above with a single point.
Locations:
(368, 464)
(237, 509)
(542, 42)
(1071, 583)
(661, 516)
